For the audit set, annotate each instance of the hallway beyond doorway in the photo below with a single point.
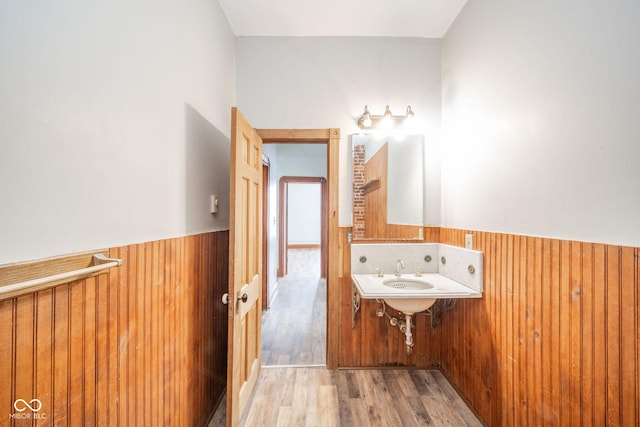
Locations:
(294, 328)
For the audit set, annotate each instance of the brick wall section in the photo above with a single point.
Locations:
(358, 196)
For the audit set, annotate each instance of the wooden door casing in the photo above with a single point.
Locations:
(335, 245)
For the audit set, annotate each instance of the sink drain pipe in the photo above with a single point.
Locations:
(407, 332)
(405, 327)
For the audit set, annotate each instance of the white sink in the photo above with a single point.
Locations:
(409, 306)
(409, 293)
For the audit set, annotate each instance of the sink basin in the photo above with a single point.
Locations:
(408, 284)
(408, 305)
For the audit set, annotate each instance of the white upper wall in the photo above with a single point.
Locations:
(300, 160)
(541, 129)
(114, 117)
(304, 213)
(105, 106)
(324, 82)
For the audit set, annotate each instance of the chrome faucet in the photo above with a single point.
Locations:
(399, 264)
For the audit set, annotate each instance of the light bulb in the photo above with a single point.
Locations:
(386, 121)
(365, 118)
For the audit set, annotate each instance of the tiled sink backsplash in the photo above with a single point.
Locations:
(415, 256)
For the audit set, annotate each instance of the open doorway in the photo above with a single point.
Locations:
(294, 327)
(302, 225)
(330, 140)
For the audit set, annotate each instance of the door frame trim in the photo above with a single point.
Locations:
(266, 173)
(331, 138)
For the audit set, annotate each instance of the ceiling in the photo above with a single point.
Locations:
(386, 18)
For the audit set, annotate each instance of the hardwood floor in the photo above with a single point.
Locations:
(291, 394)
(294, 328)
(392, 397)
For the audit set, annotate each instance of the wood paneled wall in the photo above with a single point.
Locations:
(556, 338)
(144, 344)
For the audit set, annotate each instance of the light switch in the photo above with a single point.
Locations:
(215, 201)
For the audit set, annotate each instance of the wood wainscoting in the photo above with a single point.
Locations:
(555, 340)
(144, 344)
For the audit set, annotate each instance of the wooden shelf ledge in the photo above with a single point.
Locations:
(370, 186)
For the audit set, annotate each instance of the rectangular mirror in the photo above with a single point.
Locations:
(388, 187)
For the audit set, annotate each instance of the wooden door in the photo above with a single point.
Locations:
(245, 266)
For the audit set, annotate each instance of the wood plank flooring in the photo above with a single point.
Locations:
(306, 396)
(294, 328)
(293, 333)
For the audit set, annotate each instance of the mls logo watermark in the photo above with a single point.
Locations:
(28, 410)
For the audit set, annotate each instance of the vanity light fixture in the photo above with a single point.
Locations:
(385, 121)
